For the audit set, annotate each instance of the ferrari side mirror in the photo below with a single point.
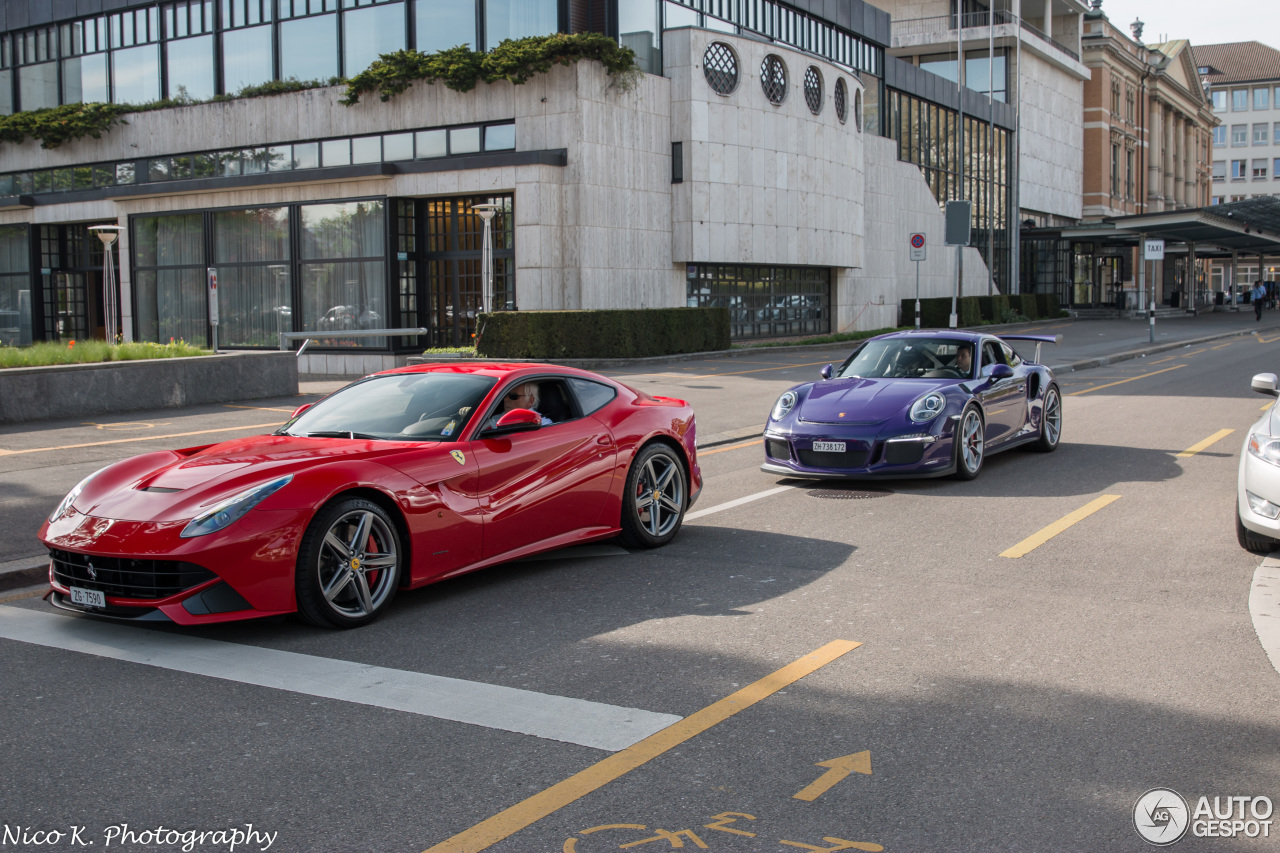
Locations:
(827, 371)
(516, 420)
(299, 410)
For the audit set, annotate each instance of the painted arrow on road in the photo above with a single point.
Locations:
(859, 762)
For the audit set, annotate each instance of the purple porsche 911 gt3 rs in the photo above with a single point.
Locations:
(916, 404)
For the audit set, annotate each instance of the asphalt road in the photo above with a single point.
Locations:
(1004, 703)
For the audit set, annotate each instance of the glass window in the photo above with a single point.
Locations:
(976, 73)
(500, 137)
(591, 395)
(180, 168)
(344, 293)
(6, 92)
(1220, 100)
(246, 58)
(136, 74)
(1259, 170)
(1237, 169)
(1239, 135)
(638, 29)
(1275, 168)
(306, 155)
(84, 80)
(464, 140)
(126, 173)
(1239, 99)
(366, 149)
(258, 235)
(279, 158)
(190, 68)
(227, 164)
(1261, 98)
(171, 294)
(251, 251)
(309, 48)
(205, 165)
(253, 161)
(1219, 170)
(104, 176)
(397, 146)
(516, 19)
(1276, 134)
(941, 64)
(1220, 135)
(370, 32)
(38, 86)
(335, 152)
(158, 169)
(442, 24)
(1260, 134)
(15, 286)
(432, 143)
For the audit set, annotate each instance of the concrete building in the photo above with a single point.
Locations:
(776, 165)
(1243, 79)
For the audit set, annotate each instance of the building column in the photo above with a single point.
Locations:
(1048, 18)
(1189, 167)
(1231, 288)
(1155, 151)
(1166, 147)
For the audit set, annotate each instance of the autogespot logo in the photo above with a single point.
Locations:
(1160, 816)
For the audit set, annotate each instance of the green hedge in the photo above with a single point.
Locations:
(1028, 305)
(935, 312)
(602, 334)
(1048, 305)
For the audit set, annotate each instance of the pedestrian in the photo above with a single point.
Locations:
(1258, 296)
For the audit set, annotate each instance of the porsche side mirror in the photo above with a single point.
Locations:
(1000, 371)
(827, 371)
(516, 420)
(1265, 383)
(299, 410)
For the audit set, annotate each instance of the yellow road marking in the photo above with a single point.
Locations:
(4, 452)
(260, 408)
(1163, 360)
(1263, 340)
(702, 453)
(729, 373)
(1267, 406)
(510, 821)
(1189, 354)
(1196, 448)
(1122, 381)
(1026, 546)
(1220, 346)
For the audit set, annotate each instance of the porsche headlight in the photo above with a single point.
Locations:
(927, 408)
(232, 509)
(65, 506)
(785, 404)
(1265, 447)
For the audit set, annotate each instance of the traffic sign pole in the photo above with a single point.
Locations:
(1152, 250)
(917, 255)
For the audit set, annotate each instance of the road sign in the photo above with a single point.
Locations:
(917, 247)
(1153, 250)
(213, 296)
(959, 222)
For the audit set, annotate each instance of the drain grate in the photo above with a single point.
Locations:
(850, 493)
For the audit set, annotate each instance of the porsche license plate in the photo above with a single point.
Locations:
(829, 446)
(88, 597)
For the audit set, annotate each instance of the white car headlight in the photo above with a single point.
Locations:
(1262, 506)
(785, 404)
(927, 408)
(1265, 447)
(65, 506)
(232, 509)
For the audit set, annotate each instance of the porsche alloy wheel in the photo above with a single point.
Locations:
(1050, 421)
(655, 500)
(349, 565)
(970, 444)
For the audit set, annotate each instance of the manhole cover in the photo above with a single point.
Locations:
(850, 493)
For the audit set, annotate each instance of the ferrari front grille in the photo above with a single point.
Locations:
(124, 577)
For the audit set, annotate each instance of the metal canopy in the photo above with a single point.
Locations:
(1251, 226)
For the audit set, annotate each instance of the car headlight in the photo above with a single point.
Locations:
(1265, 448)
(785, 404)
(927, 408)
(1262, 506)
(232, 509)
(65, 506)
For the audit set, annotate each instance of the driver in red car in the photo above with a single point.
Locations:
(523, 396)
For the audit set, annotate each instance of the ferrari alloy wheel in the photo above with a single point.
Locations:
(656, 497)
(1050, 421)
(1255, 543)
(349, 564)
(970, 444)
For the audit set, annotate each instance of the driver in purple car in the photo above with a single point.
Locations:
(964, 360)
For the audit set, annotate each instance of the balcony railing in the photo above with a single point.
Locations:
(937, 26)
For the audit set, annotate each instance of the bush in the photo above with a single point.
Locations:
(935, 312)
(90, 351)
(1026, 304)
(632, 333)
(1048, 305)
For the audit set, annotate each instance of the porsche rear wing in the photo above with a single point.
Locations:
(1039, 339)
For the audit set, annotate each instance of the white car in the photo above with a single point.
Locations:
(1258, 484)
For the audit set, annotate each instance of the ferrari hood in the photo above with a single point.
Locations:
(863, 401)
(171, 485)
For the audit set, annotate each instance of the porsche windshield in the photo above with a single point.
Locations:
(397, 407)
(910, 358)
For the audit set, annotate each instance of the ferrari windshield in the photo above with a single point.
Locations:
(396, 407)
(910, 358)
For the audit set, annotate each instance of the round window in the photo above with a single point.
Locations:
(813, 89)
(842, 100)
(720, 67)
(773, 78)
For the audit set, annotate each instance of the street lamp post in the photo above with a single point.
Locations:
(486, 213)
(108, 234)
(280, 271)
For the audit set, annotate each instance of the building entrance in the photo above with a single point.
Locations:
(71, 282)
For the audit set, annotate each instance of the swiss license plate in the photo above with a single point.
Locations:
(88, 597)
(829, 446)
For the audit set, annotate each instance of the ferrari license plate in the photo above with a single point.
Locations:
(829, 446)
(88, 597)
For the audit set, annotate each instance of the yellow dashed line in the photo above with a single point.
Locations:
(702, 453)
(1034, 541)
(1197, 447)
(139, 438)
(1122, 381)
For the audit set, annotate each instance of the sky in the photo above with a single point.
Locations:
(1202, 23)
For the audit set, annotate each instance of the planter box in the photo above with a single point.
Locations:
(75, 390)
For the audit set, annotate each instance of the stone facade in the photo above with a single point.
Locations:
(1051, 140)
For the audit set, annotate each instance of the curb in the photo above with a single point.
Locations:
(23, 574)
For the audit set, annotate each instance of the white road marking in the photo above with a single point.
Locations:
(1264, 607)
(739, 502)
(592, 724)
